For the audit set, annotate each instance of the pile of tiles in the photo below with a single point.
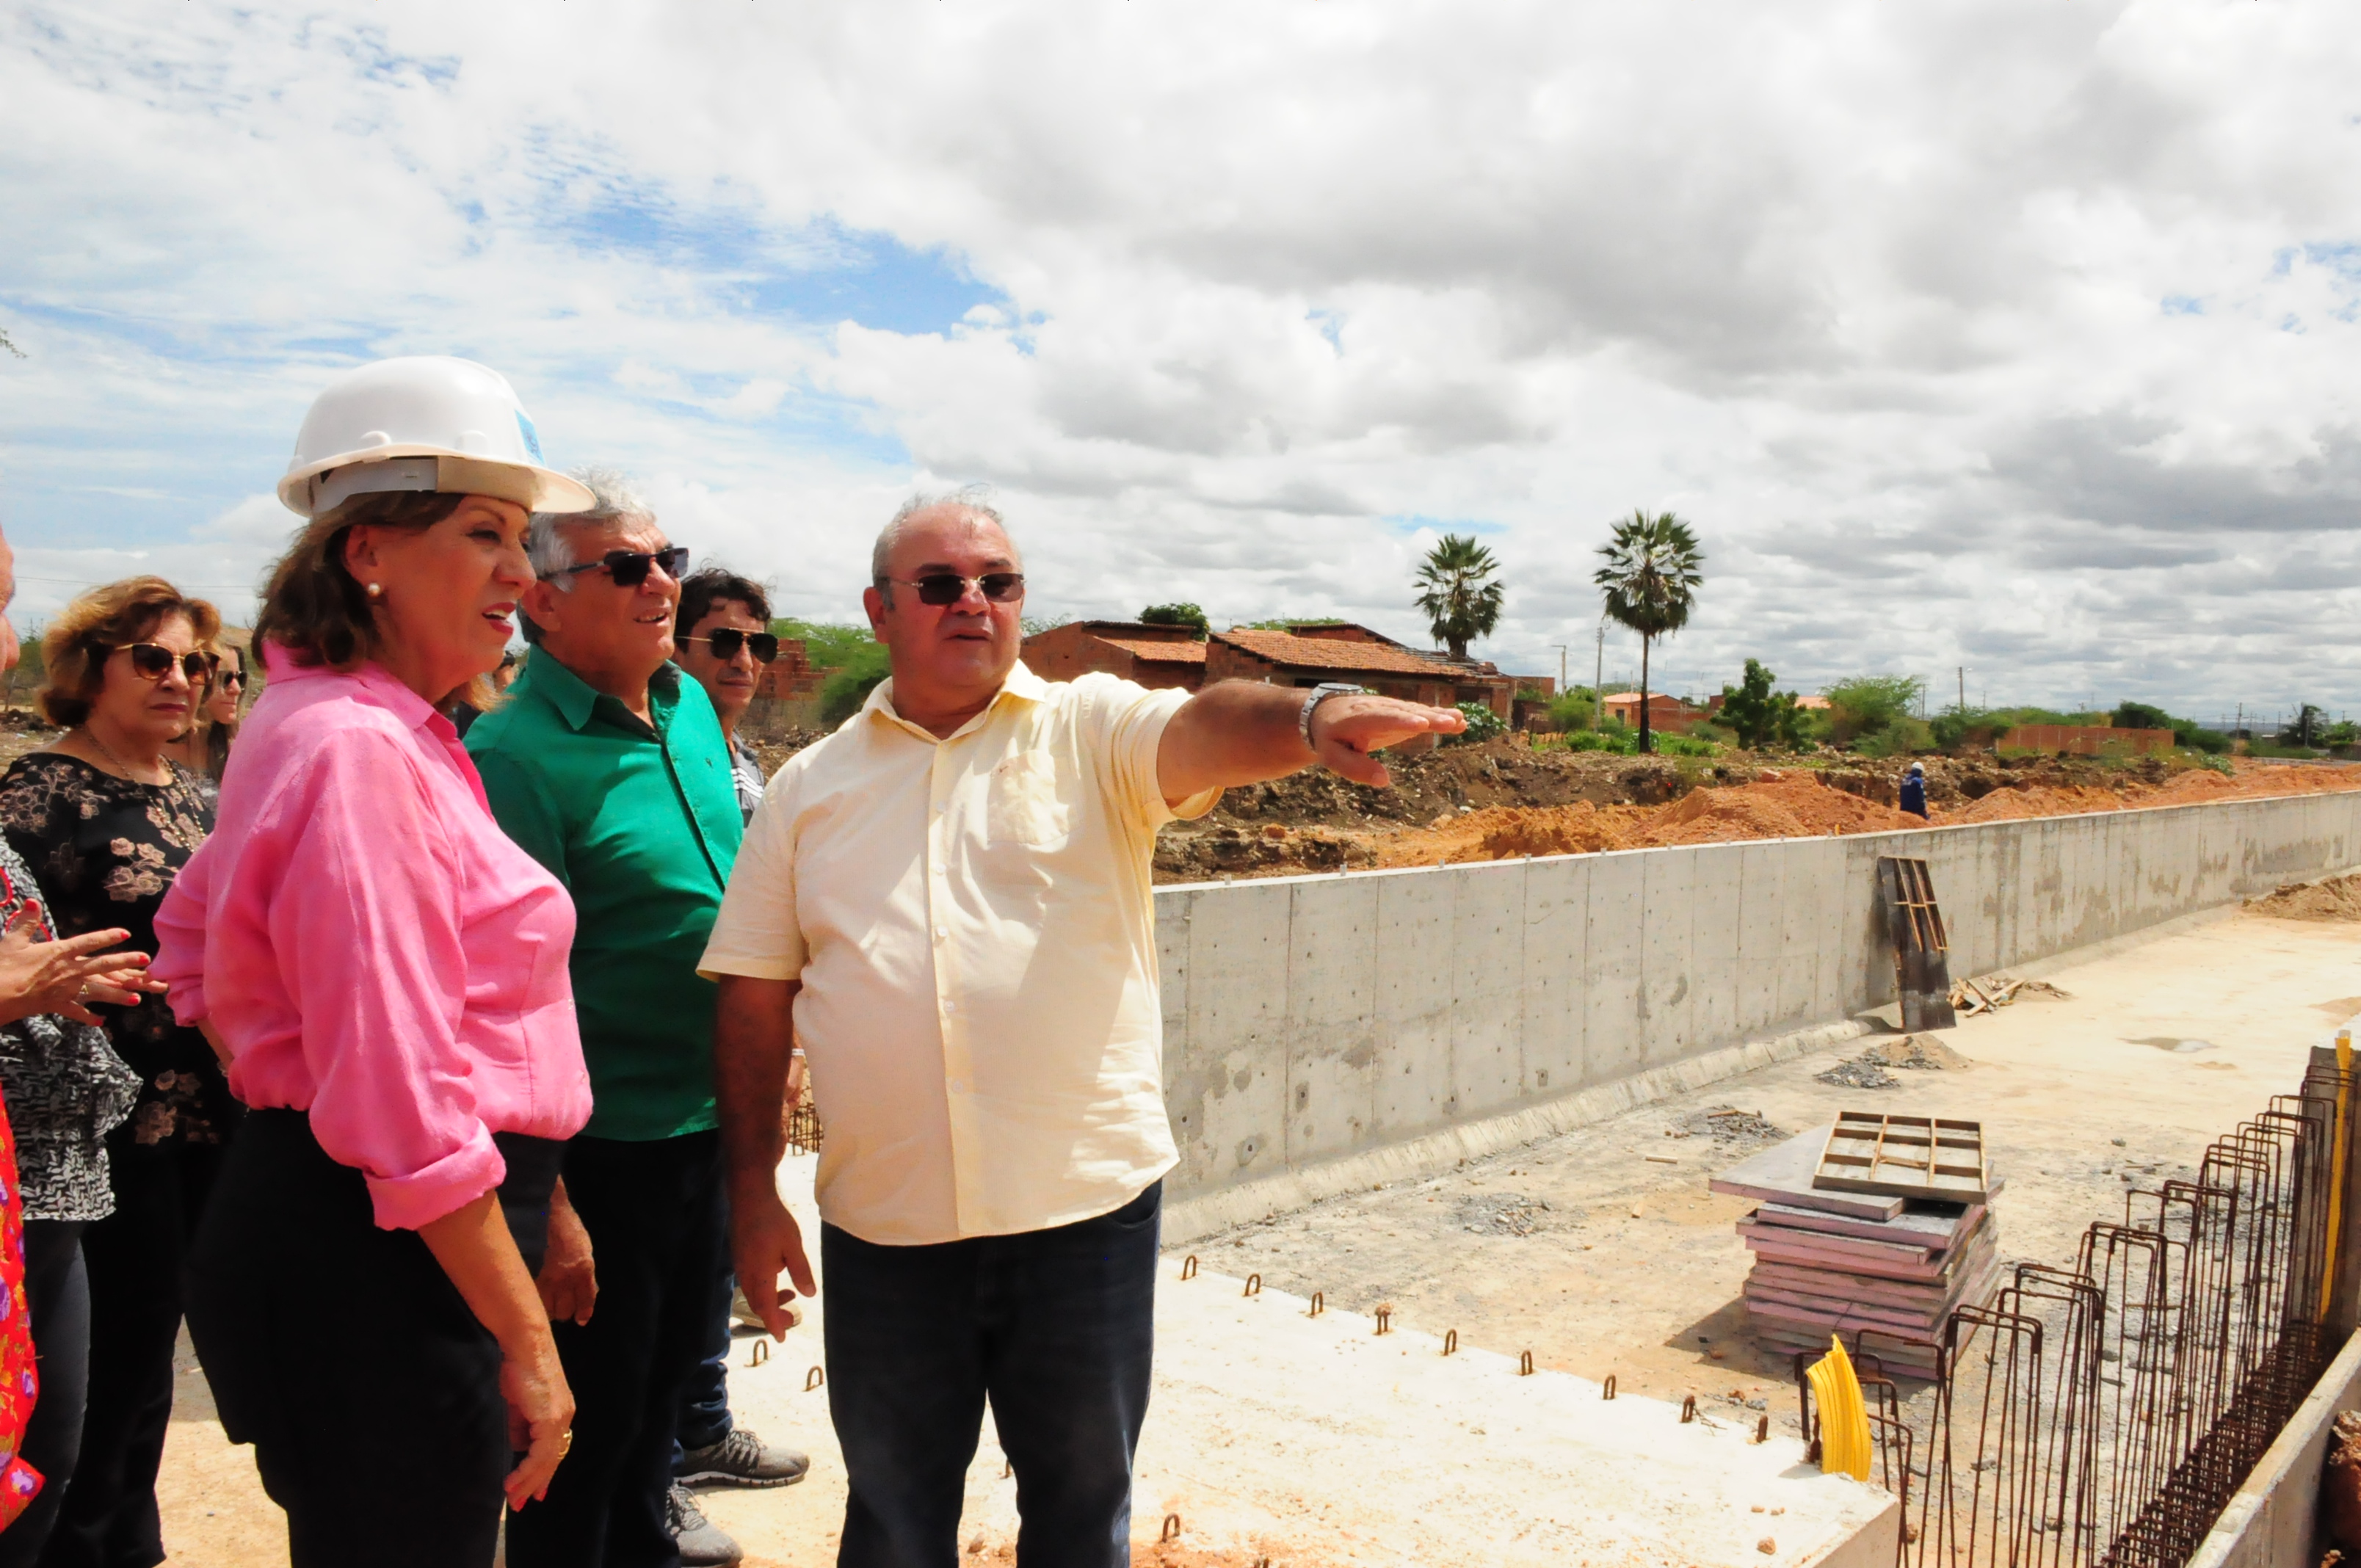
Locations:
(1846, 1263)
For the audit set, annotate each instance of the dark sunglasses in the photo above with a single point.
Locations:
(153, 659)
(230, 680)
(724, 644)
(629, 568)
(949, 587)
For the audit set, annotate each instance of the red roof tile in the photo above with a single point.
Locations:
(1157, 650)
(1332, 653)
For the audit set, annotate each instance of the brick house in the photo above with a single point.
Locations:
(1666, 715)
(789, 677)
(1155, 656)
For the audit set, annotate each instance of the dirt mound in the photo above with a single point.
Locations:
(2039, 800)
(2338, 898)
(1775, 806)
(1920, 1053)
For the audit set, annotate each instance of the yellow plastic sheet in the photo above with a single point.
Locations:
(1844, 1419)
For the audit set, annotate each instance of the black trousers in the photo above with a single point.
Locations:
(345, 1355)
(659, 1230)
(57, 1299)
(138, 1257)
(1056, 1328)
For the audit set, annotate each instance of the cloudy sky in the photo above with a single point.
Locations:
(2017, 335)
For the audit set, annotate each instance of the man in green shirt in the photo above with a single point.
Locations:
(610, 768)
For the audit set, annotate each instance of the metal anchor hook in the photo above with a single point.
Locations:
(1171, 1531)
(1451, 1342)
(1319, 1305)
(1688, 1410)
(1188, 1266)
(814, 1379)
(760, 1354)
(1385, 1320)
(1606, 1389)
(1525, 1364)
(1762, 1429)
(1254, 1285)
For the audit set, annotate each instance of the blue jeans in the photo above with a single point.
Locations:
(705, 1417)
(1056, 1327)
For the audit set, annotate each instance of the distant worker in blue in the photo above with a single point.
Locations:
(1914, 790)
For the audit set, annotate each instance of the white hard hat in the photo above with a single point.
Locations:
(425, 423)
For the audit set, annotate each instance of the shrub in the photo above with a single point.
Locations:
(1684, 746)
(1483, 724)
(1177, 614)
(1618, 740)
(1866, 704)
(1572, 711)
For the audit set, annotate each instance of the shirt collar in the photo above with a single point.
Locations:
(574, 698)
(1020, 683)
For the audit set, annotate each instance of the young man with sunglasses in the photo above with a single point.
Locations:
(609, 767)
(725, 641)
(947, 903)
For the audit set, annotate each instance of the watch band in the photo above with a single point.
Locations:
(1321, 694)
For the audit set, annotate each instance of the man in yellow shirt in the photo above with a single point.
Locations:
(947, 903)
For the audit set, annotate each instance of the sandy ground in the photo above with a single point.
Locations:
(1598, 1250)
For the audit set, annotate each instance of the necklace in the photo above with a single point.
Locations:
(124, 768)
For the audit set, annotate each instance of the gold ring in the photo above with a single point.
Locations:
(566, 1442)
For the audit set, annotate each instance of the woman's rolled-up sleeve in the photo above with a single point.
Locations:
(365, 928)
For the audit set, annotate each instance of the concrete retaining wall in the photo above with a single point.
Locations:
(1309, 1019)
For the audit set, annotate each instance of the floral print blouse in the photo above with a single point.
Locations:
(20, 1379)
(105, 850)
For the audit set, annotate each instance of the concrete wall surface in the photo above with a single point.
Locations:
(1307, 1019)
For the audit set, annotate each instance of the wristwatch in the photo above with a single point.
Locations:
(1317, 696)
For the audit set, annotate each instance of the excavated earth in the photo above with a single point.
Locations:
(1502, 798)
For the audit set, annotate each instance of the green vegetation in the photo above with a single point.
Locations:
(1483, 724)
(2185, 732)
(1458, 597)
(1650, 584)
(1574, 710)
(1685, 746)
(1761, 718)
(854, 660)
(2305, 728)
(1291, 623)
(1182, 614)
(1615, 738)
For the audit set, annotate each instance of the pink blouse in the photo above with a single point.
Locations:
(372, 949)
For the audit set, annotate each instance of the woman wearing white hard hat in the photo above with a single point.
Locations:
(385, 974)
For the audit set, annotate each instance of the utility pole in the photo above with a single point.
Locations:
(1963, 691)
(1599, 684)
(1561, 668)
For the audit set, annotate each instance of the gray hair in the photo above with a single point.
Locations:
(548, 538)
(613, 499)
(968, 498)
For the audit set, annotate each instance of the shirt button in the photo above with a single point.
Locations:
(941, 932)
(950, 1006)
(959, 1086)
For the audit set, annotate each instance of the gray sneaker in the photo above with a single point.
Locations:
(741, 1459)
(702, 1543)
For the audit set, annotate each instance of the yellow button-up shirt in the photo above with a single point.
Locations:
(973, 923)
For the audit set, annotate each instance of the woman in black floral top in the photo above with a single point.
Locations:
(105, 822)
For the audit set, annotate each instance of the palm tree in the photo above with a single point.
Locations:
(1460, 600)
(1649, 581)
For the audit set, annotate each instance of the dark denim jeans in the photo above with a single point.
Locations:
(1056, 1327)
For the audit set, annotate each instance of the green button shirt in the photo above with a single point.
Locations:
(641, 826)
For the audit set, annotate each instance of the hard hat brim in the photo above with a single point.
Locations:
(528, 484)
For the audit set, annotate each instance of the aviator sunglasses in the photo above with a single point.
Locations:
(153, 659)
(949, 587)
(629, 568)
(724, 644)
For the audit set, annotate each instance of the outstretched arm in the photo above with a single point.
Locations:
(1240, 732)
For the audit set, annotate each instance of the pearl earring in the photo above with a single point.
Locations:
(375, 590)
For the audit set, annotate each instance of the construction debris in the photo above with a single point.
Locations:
(1970, 997)
(1863, 1074)
(1921, 943)
(2334, 898)
(1849, 1263)
(1919, 1053)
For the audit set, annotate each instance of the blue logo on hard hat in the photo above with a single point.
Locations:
(532, 436)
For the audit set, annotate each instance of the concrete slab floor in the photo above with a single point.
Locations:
(1275, 1434)
(1601, 1251)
